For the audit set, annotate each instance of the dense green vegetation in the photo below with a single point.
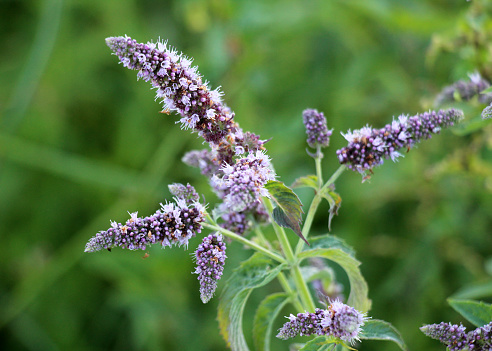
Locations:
(81, 142)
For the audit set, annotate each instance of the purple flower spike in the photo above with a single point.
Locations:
(368, 147)
(452, 335)
(179, 85)
(317, 132)
(174, 224)
(302, 324)
(210, 258)
(455, 339)
(465, 90)
(339, 320)
(243, 183)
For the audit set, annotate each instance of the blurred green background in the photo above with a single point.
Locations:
(82, 142)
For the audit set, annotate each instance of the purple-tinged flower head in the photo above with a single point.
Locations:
(487, 112)
(369, 147)
(339, 320)
(187, 193)
(173, 224)
(343, 322)
(302, 324)
(451, 335)
(316, 130)
(179, 85)
(210, 258)
(465, 90)
(243, 183)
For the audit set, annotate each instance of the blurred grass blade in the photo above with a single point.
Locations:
(35, 65)
(73, 167)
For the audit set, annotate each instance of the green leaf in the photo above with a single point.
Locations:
(265, 316)
(310, 181)
(486, 91)
(375, 329)
(323, 343)
(253, 273)
(358, 297)
(325, 274)
(288, 212)
(317, 344)
(328, 241)
(478, 313)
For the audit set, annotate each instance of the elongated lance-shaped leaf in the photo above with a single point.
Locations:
(375, 329)
(288, 213)
(477, 312)
(251, 274)
(265, 316)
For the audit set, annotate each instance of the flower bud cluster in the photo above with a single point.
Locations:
(210, 258)
(455, 338)
(339, 320)
(317, 132)
(179, 85)
(466, 90)
(173, 224)
(369, 147)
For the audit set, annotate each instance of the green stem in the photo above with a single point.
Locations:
(245, 241)
(334, 177)
(261, 236)
(280, 232)
(301, 286)
(317, 162)
(281, 277)
(293, 296)
(314, 206)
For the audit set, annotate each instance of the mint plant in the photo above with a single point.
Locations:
(242, 175)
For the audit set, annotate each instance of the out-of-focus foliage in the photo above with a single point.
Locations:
(81, 142)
